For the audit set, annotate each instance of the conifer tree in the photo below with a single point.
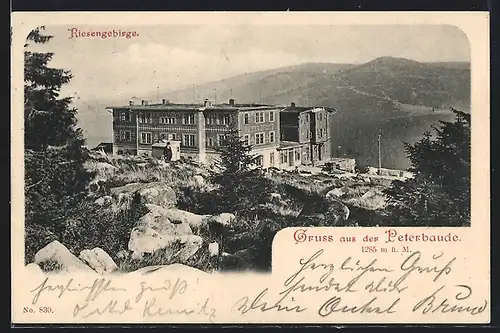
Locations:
(439, 193)
(55, 177)
(240, 179)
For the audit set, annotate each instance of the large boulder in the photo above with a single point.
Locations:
(155, 231)
(225, 219)
(157, 193)
(178, 216)
(336, 192)
(34, 270)
(57, 257)
(98, 260)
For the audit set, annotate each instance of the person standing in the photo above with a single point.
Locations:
(167, 153)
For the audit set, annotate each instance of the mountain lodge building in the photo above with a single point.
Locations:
(281, 137)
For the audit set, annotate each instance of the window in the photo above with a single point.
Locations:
(246, 139)
(271, 116)
(125, 135)
(125, 116)
(284, 157)
(167, 120)
(210, 142)
(271, 159)
(146, 137)
(188, 140)
(245, 118)
(307, 117)
(145, 118)
(211, 120)
(271, 136)
(259, 138)
(220, 138)
(166, 136)
(259, 160)
(320, 132)
(307, 134)
(297, 155)
(320, 116)
(224, 119)
(259, 117)
(188, 119)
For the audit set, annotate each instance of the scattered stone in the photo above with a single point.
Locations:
(336, 192)
(56, 257)
(98, 260)
(157, 193)
(155, 231)
(104, 201)
(225, 218)
(33, 269)
(198, 179)
(213, 249)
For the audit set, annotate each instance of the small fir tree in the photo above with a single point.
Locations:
(439, 193)
(241, 183)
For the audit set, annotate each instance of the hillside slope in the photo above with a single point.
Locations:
(394, 96)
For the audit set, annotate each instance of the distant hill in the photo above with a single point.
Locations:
(396, 97)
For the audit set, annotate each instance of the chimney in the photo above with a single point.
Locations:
(231, 101)
(143, 102)
(165, 101)
(292, 104)
(131, 102)
(206, 102)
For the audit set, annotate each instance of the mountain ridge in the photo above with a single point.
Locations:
(384, 88)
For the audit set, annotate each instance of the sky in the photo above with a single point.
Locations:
(173, 56)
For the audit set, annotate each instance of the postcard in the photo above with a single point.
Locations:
(250, 167)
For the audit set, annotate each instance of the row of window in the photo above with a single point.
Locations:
(187, 119)
(259, 138)
(145, 118)
(285, 156)
(259, 117)
(189, 139)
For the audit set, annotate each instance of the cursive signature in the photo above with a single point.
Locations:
(151, 309)
(259, 304)
(334, 304)
(98, 286)
(435, 302)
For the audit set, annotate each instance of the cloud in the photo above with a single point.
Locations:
(139, 69)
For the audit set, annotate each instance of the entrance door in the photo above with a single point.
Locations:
(320, 150)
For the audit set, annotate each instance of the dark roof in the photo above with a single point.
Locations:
(195, 107)
(298, 109)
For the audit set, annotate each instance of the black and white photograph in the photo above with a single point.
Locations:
(193, 144)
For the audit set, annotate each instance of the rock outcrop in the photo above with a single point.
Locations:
(98, 260)
(156, 193)
(156, 231)
(56, 257)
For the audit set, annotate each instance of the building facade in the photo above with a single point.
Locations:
(198, 128)
(281, 137)
(306, 135)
